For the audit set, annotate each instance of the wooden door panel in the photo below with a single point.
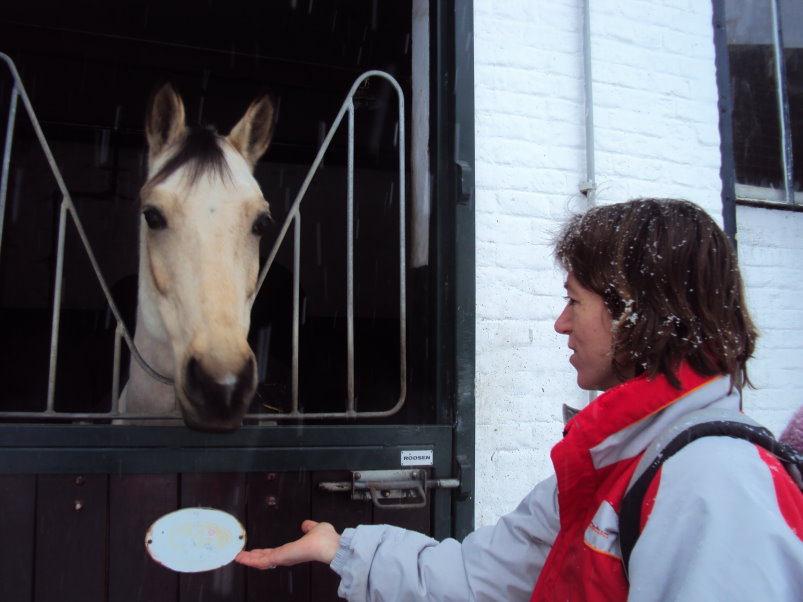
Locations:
(71, 512)
(82, 536)
(277, 504)
(17, 520)
(135, 502)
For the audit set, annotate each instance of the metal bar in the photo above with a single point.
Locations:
(458, 305)
(350, 262)
(118, 333)
(347, 107)
(74, 448)
(67, 199)
(784, 117)
(54, 324)
(296, 300)
(12, 115)
(102, 416)
(402, 259)
(90, 416)
(419, 436)
(588, 187)
(317, 162)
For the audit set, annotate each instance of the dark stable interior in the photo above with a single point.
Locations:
(89, 69)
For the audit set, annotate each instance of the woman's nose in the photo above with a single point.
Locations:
(563, 323)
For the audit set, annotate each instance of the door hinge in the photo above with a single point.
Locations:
(390, 488)
(464, 181)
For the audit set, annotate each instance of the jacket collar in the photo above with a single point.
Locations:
(620, 423)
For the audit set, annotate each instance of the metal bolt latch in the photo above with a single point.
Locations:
(390, 488)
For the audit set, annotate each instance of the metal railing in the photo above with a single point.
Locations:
(67, 208)
(294, 218)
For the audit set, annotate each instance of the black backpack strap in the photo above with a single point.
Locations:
(702, 423)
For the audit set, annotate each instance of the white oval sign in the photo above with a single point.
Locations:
(195, 539)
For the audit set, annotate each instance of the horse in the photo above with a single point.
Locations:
(202, 217)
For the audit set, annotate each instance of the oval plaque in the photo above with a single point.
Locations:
(192, 540)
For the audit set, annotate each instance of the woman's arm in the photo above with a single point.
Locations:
(499, 562)
(319, 543)
(380, 562)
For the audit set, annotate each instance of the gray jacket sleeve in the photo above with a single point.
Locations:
(716, 534)
(501, 562)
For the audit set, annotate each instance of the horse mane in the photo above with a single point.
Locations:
(201, 152)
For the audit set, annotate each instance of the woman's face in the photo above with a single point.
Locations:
(588, 323)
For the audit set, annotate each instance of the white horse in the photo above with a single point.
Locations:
(202, 217)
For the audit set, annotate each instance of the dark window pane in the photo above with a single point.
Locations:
(758, 138)
(756, 128)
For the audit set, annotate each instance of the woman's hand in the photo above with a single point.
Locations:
(320, 543)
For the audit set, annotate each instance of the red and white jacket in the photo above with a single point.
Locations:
(711, 510)
(724, 521)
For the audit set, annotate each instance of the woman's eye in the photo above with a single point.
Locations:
(154, 218)
(262, 223)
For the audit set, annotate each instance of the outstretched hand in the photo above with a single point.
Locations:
(320, 542)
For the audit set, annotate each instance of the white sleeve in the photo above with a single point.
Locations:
(502, 562)
(716, 531)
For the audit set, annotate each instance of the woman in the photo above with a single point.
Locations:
(655, 317)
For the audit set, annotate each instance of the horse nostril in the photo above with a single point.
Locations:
(194, 371)
(219, 395)
(199, 385)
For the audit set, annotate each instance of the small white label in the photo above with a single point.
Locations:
(417, 457)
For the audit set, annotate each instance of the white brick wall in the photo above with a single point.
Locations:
(770, 253)
(530, 159)
(655, 110)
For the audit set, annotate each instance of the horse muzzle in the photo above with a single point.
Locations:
(216, 402)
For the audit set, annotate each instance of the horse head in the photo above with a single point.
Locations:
(202, 217)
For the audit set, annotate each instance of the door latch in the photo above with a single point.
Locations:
(390, 488)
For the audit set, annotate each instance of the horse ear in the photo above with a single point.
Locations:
(252, 134)
(164, 122)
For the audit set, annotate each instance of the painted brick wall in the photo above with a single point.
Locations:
(656, 134)
(771, 257)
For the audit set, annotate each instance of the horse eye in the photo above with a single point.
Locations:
(262, 223)
(154, 218)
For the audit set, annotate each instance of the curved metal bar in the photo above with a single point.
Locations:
(319, 157)
(348, 108)
(70, 208)
(350, 404)
(12, 115)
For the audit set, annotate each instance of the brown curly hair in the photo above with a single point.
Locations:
(670, 278)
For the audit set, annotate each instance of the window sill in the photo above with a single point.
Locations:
(766, 198)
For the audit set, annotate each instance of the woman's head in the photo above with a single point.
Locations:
(668, 275)
(589, 325)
